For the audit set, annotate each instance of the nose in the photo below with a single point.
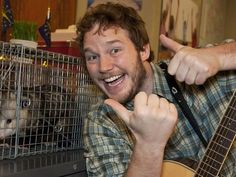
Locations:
(106, 63)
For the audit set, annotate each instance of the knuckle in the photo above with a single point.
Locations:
(180, 77)
(189, 81)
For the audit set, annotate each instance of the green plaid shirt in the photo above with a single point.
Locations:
(109, 143)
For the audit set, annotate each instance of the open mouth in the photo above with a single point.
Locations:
(114, 80)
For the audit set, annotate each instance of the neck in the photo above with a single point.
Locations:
(148, 83)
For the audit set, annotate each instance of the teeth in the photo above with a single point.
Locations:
(111, 79)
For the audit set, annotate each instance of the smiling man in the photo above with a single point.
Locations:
(131, 130)
(115, 65)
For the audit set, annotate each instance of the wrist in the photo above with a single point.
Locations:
(227, 56)
(150, 149)
(145, 161)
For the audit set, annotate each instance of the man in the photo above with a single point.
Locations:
(135, 128)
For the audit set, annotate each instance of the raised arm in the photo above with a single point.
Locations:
(152, 123)
(194, 66)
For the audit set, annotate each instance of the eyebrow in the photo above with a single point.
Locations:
(87, 50)
(114, 41)
(108, 42)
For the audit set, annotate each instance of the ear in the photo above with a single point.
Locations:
(145, 53)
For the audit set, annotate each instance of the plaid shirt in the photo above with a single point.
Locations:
(109, 143)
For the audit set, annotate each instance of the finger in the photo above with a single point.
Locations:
(121, 111)
(173, 113)
(153, 100)
(191, 76)
(178, 60)
(173, 65)
(170, 44)
(164, 104)
(200, 79)
(181, 72)
(163, 108)
(173, 109)
(140, 100)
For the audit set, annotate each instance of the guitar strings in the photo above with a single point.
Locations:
(220, 144)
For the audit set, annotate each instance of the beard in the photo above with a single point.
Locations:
(138, 80)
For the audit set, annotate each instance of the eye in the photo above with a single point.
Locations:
(25, 103)
(115, 50)
(91, 57)
(9, 121)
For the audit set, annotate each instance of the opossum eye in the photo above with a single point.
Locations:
(25, 103)
(9, 121)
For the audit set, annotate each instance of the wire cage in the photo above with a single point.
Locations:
(44, 97)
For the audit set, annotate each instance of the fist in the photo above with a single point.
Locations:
(152, 120)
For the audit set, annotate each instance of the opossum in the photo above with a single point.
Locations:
(40, 110)
(8, 114)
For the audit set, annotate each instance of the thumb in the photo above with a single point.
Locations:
(121, 111)
(170, 44)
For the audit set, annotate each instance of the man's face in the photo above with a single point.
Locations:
(113, 63)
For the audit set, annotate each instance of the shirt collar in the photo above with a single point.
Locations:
(160, 85)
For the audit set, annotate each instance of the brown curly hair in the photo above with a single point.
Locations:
(114, 14)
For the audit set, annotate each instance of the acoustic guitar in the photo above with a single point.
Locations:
(216, 151)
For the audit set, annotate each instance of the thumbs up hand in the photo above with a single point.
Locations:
(191, 65)
(152, 120)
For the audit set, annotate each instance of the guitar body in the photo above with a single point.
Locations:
(175, 169)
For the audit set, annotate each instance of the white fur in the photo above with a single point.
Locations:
(8, 112)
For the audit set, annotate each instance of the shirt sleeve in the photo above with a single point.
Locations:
(107, 145)
(227, 80)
